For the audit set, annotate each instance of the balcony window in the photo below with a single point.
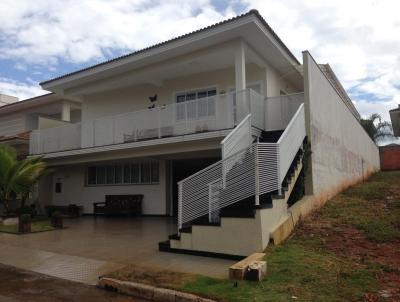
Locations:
(195, 104)
(127, 173)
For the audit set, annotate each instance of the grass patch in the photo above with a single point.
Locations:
(306, 268)
(294, 270)
(373, 207)
(36, 226)
(333, 256)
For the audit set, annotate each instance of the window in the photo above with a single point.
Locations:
(118, 174)
(58, 187)
(155, 174)
(145, 175)
(127, 173)
(196, 104)
(110, 172)
(135, 173)
(91, 175)
(101, 175)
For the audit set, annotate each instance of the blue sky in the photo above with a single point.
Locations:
(42, 39)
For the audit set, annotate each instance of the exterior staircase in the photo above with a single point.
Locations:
(230, 208)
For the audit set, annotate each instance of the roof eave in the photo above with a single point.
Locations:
(164, 46)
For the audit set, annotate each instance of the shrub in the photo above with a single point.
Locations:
(56, 214)
(31, 210)
(25, 218)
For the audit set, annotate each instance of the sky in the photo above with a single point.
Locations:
(43, 39)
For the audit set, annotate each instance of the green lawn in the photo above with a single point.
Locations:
(37, 226)
(347, 251)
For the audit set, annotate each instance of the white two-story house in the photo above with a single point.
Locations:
(209, 127)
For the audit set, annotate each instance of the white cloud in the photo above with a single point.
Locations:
(80, 31)
(19, 89)
(359, 38)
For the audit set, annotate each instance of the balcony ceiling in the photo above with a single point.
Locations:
(199, 52)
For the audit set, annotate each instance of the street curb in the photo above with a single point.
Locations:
(148, 292)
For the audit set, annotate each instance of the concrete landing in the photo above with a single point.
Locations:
(73, 268)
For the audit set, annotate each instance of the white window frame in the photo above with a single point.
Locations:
(122, 181)
(196, 91)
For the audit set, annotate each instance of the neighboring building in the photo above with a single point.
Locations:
(19, 118)
(7, 99)
(210, 128)
(390, 157)
(395, 117)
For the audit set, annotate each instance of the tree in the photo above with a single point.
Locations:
(376, 128)
(17, 177)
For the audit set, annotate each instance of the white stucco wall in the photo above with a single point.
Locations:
(12, 124)
(136, 97)
(342, 152)
(75, 191)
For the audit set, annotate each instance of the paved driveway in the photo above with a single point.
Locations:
(91, 247)
(17, 285)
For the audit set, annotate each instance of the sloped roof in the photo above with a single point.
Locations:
(20, 136)
(231, 20)
(29, 103)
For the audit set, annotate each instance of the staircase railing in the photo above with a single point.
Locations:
(256, 170)
(290, 140)
(238, 139)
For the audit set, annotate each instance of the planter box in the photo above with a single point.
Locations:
(24, 227)
(57, 222)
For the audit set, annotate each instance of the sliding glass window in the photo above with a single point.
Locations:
(126, 173)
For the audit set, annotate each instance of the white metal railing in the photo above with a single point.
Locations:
(201, 115)
(238, 139)
(55, 139)
(290, 139)
(258, 169)
(280, 109)
(202, 193)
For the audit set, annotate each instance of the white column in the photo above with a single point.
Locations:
(240, 67)
(66, 112)
(240, 81)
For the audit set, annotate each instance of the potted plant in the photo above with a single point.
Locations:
(24, 223)
(56, 220)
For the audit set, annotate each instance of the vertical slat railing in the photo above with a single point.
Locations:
(256, 170)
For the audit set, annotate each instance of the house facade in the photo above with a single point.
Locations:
(19, 118)
(395, 118)
(209, 127)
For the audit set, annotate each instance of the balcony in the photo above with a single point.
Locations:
(207, 114)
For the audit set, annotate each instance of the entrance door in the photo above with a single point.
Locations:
(184, 168)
